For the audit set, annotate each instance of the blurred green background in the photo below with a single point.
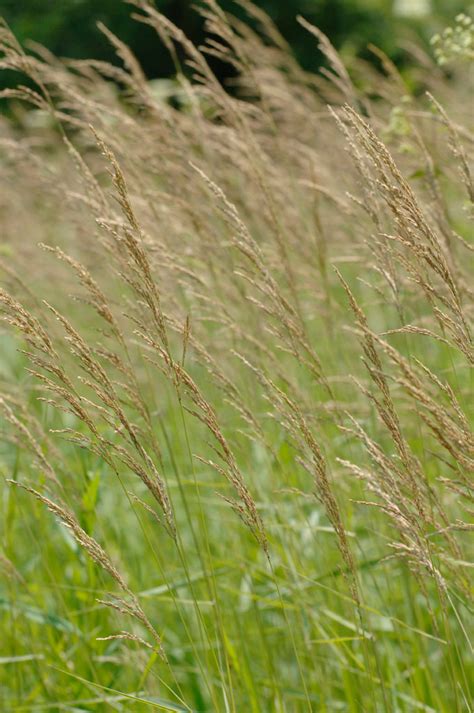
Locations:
(68, 27)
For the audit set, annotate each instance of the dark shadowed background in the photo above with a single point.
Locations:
(68, 27)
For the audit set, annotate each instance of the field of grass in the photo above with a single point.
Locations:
(235, 400)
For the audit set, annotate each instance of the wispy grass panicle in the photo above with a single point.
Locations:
(245, 298)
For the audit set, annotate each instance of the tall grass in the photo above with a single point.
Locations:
(235, 391)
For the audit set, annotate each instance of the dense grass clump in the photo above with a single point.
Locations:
(235, 396)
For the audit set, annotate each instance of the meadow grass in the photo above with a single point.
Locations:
(235, 395)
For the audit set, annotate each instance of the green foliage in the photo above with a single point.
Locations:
(235, 398)
(455, 43)
(68, 28)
